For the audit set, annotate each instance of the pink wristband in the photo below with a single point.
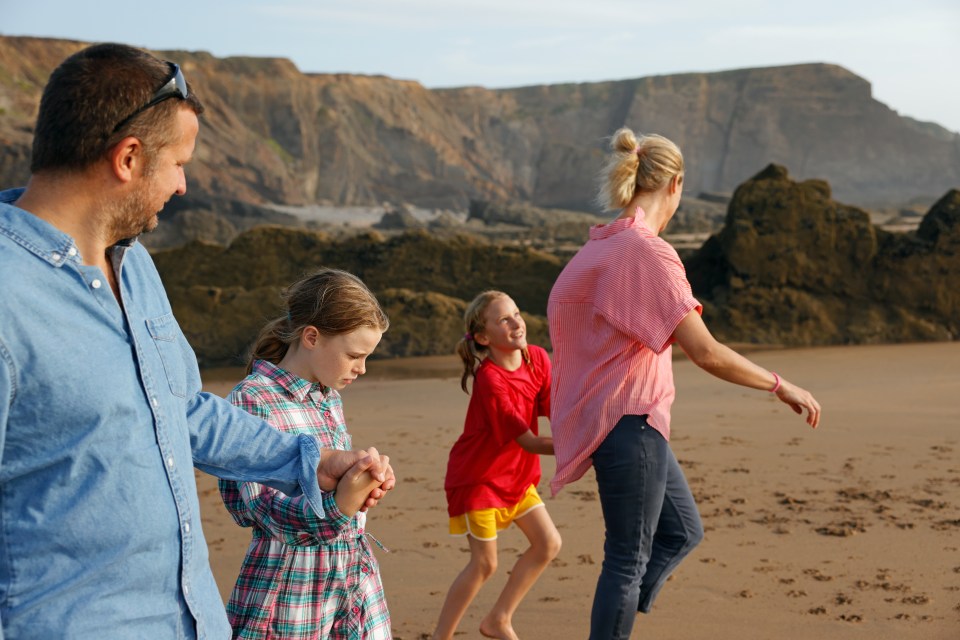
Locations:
(777, 385)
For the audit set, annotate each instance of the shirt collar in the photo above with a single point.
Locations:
(638, 221)
(33, 234)
(294, 385)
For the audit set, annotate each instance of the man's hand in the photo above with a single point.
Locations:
(334, 463)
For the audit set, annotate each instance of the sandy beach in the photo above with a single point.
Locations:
(850, 531)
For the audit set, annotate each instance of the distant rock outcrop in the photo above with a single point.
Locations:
(274, 135)
(223, 295)
(793, 266)
(398, 218)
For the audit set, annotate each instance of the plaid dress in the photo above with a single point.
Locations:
(304, 577)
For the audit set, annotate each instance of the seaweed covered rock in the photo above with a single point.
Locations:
(793, 266)
(223, 295)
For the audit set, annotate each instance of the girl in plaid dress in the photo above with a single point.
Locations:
(309, 573)
(494, 466)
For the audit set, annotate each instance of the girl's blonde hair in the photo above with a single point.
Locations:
(333, 301)
(470, 351)
(643, 164)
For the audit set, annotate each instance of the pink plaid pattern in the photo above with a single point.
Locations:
(306, 575)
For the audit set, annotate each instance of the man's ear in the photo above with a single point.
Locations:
(126, 158)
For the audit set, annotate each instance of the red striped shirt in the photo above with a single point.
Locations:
(612, 314)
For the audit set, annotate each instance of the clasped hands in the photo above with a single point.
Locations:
(360, 478)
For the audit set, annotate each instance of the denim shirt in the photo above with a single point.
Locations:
(101, 423)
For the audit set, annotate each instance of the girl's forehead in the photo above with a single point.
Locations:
(500, 305)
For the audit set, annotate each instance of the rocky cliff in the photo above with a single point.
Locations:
(275, 135)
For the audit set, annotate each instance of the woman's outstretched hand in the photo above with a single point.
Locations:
(799, 400)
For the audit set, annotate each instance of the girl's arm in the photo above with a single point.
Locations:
(542, 445)
(289, 519)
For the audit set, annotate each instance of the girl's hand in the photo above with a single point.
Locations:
(389, 483)
(334, 463)
(799, 399)
(355, 486)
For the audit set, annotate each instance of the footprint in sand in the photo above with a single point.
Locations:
(945, 525)
(917, 599)
(850, 617)
(843, 529)
(817, 575)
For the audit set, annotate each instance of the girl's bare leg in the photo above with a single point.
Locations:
(544, 547)
(482, 565)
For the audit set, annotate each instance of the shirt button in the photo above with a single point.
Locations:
(365, 569)
(154, 402)
(186, 527)
(55, 256)
(72, 251)
(186, 589)
(356, 611)
(96, 284)
(170, 462)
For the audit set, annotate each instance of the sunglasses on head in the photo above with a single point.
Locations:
(174, 87)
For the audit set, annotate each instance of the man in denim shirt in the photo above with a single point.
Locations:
(101, 415)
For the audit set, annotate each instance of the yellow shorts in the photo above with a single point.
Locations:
(483, 524)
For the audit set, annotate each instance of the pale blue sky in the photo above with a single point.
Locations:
(908, 50)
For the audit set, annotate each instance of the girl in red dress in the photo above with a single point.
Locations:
(494, 466)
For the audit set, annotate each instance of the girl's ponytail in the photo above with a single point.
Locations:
(470, 358)
(272, 342)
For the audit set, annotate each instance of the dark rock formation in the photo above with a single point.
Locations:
(223, 295)
(398, 218)
(199, 217)
(792, 266)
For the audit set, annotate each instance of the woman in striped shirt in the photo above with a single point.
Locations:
(614, 312)
(309, 571)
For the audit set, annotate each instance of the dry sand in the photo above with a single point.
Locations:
(850, 531)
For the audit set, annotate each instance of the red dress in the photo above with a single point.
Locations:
(487, 468)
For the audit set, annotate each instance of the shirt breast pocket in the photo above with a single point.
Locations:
(166, 337)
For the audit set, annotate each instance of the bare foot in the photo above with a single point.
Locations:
(502, 630)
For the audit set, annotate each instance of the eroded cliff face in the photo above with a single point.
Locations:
(272, 134)
(793, 266)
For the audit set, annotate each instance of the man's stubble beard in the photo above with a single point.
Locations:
(133, 215)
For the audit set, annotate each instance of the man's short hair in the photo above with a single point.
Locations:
(89, 94)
